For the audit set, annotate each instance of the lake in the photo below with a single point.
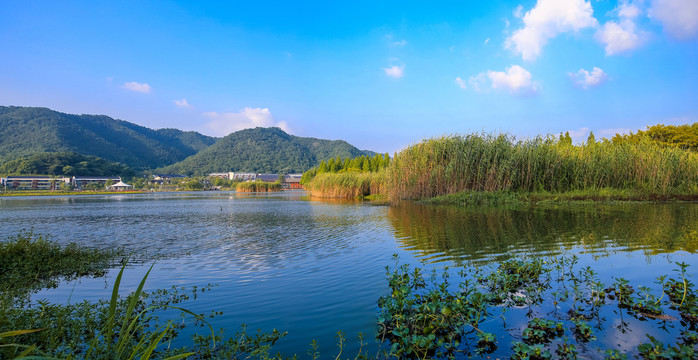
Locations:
(312, 268)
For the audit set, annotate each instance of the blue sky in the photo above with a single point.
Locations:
(381, 75)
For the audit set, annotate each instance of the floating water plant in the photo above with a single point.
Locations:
(568, 312)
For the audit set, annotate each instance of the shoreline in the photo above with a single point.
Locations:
(599, 196)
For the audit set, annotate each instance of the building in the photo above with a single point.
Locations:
(34, 182)
(219, 175)
(268, 177)
(159, 179)
(80, 182)
(242, 176)
(120, 186)
(292, 181)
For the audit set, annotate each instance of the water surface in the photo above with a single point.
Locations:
(313, 268)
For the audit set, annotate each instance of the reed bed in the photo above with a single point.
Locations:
(346, 185)
(258, 186)
(495, 163)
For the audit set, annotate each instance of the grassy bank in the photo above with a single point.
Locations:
(500, 163)
(541, 197)
(346, 185)
(258, 186)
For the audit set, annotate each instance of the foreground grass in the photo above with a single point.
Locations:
(577, 196)
(119, 328)
(29, 262)
(500, 163)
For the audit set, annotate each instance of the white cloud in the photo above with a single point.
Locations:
(183, 103)
(623, 35)
(225, 123)
(515, 79)
(518, 12)
(487, 41)
(619, 37)
(678, 17)
(460, 83)
(395, 71)
(478, 82)
(628, 10)
(586, 79)
(545, 21)
(400, 43)
(137, 87)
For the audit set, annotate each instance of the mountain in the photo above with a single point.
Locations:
(66, 164)
(262, 150)
(26, 131)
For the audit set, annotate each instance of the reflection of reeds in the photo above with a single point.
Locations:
(454, 233)
(258, 186)
(346, 185)
(477, 162)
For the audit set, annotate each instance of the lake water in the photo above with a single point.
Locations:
(313, 268)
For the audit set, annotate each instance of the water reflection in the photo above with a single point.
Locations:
(439, 233)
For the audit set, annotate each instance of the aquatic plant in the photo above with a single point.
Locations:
(257, 186)
(568, 312)
(346, 185)
(29, 262)
(501, 163)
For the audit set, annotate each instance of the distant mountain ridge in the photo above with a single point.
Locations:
(27, 131)
(263, 150)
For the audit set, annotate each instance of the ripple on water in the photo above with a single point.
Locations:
(313, 268)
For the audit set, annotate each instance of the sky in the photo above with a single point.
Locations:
(381, 75)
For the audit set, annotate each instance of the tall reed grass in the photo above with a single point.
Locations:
(485, 162)
(346, 185)
(258, 186)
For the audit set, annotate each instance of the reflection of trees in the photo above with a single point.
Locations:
(440, 233)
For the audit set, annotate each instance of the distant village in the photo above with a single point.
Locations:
(154, 181)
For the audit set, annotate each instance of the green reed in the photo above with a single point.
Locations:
(346, 185)
(258, 186)
(29, 262)
(495, 163)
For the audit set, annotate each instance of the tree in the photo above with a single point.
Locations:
(366, 166)
(194, 184)
(591, 139)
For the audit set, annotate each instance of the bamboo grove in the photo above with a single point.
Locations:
(347, 178)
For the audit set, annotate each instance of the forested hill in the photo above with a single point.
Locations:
(263, 150)
(27, 131)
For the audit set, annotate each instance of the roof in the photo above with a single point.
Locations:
(268, 177)
(40, 177)
(105, 178)
(292, 178)
(169, 176)
(120, 184)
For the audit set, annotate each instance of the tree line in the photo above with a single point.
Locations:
(359, 164)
